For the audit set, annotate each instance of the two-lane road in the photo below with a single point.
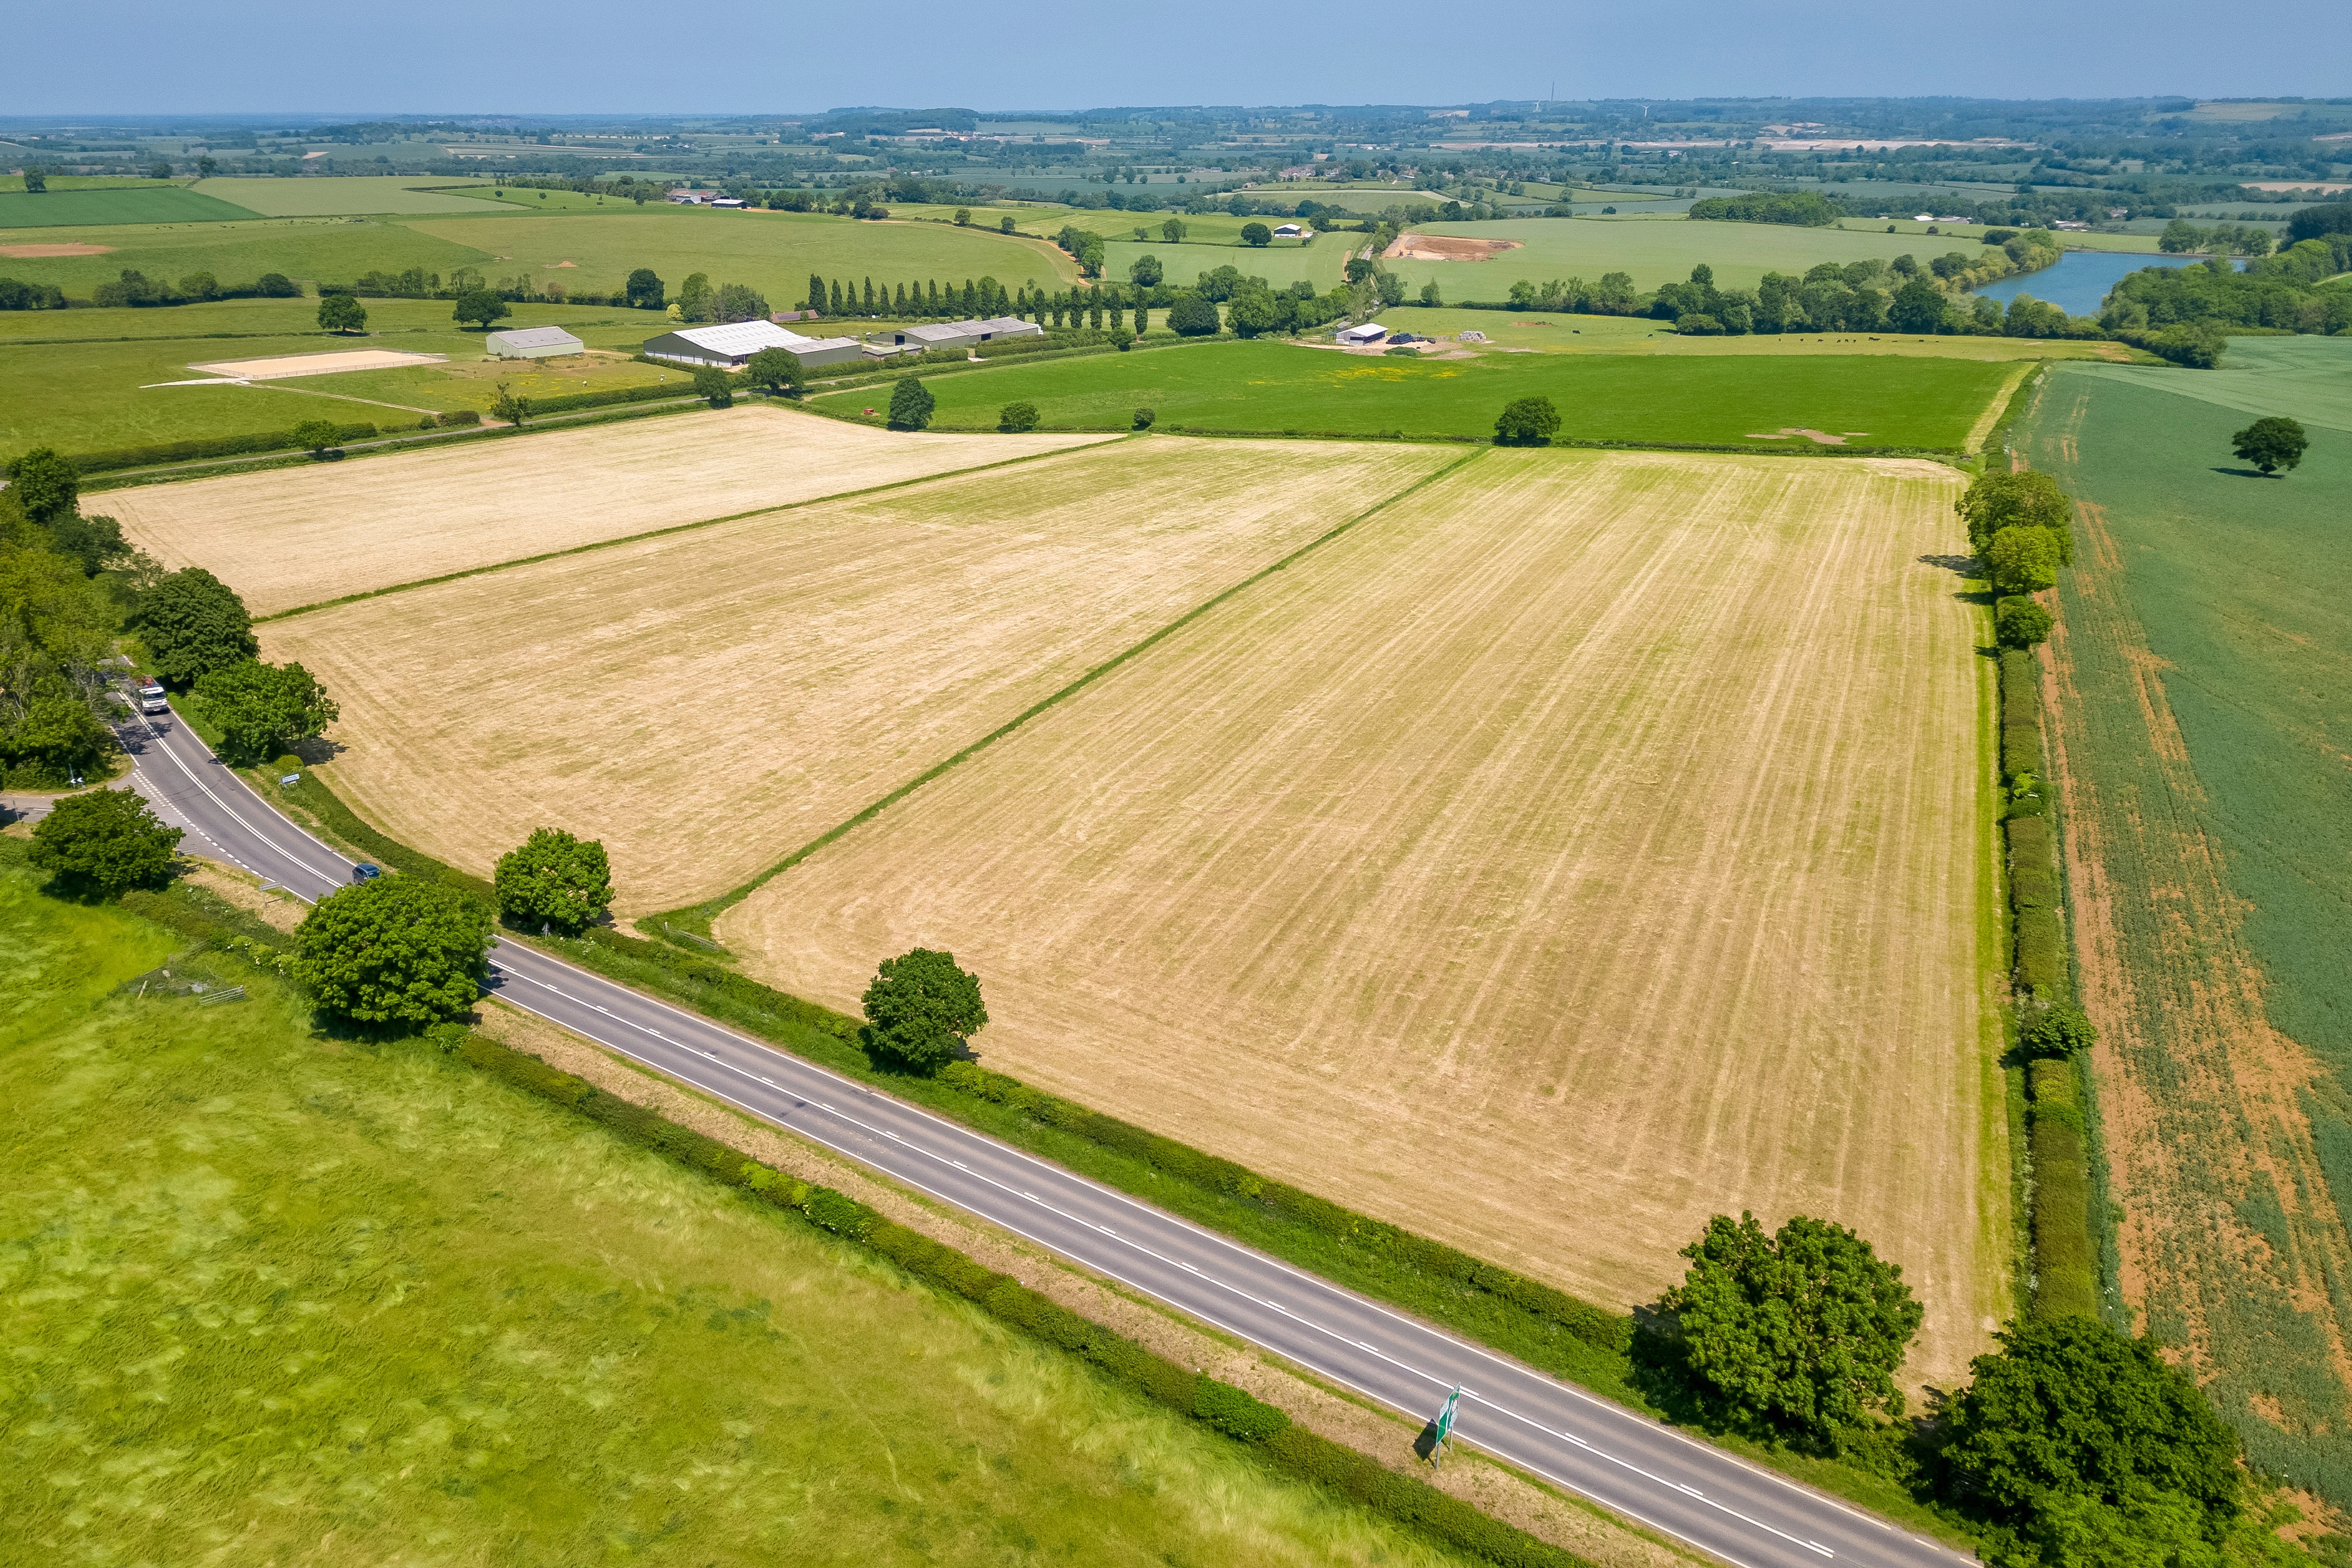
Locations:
(1675, 1484)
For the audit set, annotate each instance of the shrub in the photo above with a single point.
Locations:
(2042, 952)
(1016, 416)
(399, 950)
(313, 435)
(2022, 623)
(554, 879)
(920, 1009)
(1527, 422)
(1235, 1413)
(104, 843)
(458, 417)
(2055, 1029)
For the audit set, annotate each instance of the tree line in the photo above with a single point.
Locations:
(2282, 291)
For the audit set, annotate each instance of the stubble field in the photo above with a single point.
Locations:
(1576, 848)
(709, 701)
(302, 535)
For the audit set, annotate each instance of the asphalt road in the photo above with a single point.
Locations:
(1676, 1485)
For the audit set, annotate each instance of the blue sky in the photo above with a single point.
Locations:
(591, 56)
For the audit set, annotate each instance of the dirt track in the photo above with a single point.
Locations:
(300, 535)
(1581, 847)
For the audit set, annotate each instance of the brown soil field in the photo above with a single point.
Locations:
(1581, 846)
(300, 535)
(708, 702)
(286, 366)
(1441, 247)
(28, 252)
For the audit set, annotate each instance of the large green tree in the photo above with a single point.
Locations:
(2271, 443)
(1800, 1331)
(398, 949)
(191, 623)
(920, 1009)
(1527, 422)
(46, 484)
(479, 308)
(644, 290)
(104, 843)
(554, 879)
(2028, 498)
(313, 435)
(2089, 1447)
(714, 386)
(341, 313)
(262, 710)
(55, 626)
(778, 370)
(1193, 315)
(910, 404)
(2022, 560)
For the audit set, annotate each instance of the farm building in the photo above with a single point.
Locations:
(532, 343)
(730, 345)
(1293, 231)
(1369, 332)
(965, 334)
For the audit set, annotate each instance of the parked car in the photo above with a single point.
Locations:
(366, 871)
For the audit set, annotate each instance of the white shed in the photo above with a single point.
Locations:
(1369, 332)
(533, 343)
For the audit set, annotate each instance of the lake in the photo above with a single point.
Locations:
(2080, 281)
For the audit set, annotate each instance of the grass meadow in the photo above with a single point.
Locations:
(157, 202)
(102, 391)
(773, 252)
(1555, 332)
(308, 250)
(2204, 679)
(1886, 400)
(339, 195)
(272, 1296)
(1656, 251)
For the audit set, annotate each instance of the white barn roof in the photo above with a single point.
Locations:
(743, 337)
(535, 338)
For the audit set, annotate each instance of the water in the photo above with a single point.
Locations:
(2079, 283)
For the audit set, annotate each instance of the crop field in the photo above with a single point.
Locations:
(1513, 867)
(1557, 332)
(305, 249)
(156, 204)
(1654, 251)
(1883, 400)
(708, 702)
(301, 535)
(2203, 678)
(1321, 263)
(773, 252)
(278, 1298)
(286, 318)
(314, 196)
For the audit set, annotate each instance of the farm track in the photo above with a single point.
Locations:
(1526, 871)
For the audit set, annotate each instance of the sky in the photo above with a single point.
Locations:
(232, 57)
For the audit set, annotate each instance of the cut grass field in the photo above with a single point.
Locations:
(306, 535)
(1321, 263)
(2203, 680)
(1654, 251)
(271, 1297)
(160, 202)
(1609, 823)
(708, 702)
(773, 252)
(1884, 401)
(344, 195)
(1559, 332)
(308, 250)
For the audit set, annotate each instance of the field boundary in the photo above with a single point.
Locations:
(1996, 413)
(672, 529)
(700, 915)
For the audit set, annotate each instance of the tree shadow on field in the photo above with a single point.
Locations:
(2246, 473)
(1968, 568)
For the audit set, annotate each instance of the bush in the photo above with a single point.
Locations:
(213, 446)
(398, 950)
(458, 417)
(1235, 1413)
(2055, 1030)
(2065, 1260)
(2041, 951)
(1527, 422)
(2022, 623)
(313, 435)
(554, 879)
(920, 1009)
(2020, 751)
(1017, 416)
(104, 843)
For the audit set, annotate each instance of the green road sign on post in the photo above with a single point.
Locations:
(1444, 1425)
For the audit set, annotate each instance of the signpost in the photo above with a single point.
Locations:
(1445, 1425)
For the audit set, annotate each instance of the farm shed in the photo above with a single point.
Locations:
(965, 334)
(532, 343)
(730, 345)
(1369, 332)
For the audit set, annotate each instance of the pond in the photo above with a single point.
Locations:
(2078, 284)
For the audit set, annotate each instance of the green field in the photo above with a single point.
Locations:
(276, 1297)
(1970, 234)
(308, 250)
(1558, 333)
(1321, 263)
(1654, 250)
(773, 252)
(96, 394)
(312, 196)
(158, 203)
(1666, 399)
(2205, 678)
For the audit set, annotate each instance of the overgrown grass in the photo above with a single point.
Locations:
(279, 1295)
(1280, 388)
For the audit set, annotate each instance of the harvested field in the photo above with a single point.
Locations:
(22, 252)
(708, 702)
(1581, 846)
(284, 367)
(1445, 247)
(301, 535)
